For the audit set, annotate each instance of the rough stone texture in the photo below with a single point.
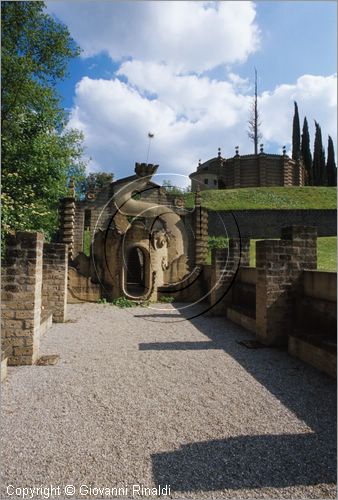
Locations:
(241, 318)
(224, 267)
(317, 307)
(269, 223)
(279, 269)
(139, 243)
(3, 369)
(320, 285)
(314, 355)
(132, 400)
(81, 289)
(78, 229)
(54, 281)
(201, 232)
(21, 297)
(67, 225)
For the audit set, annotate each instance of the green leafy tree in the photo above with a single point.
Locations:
(94, 182)
(39, 153)
(331, 167)
(319, 167)
(296, 134)
(306, 153)
(170, 188)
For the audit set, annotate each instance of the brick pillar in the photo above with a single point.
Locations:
(301, 172)
(21, 297)
(279, 266)
(201, 231)
(287, 171)
(237, 172)
(68, 220)
(67, 224)
(54, 284)
(78, 229)
(304, 246)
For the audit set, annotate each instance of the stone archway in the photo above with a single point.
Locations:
(135, 274)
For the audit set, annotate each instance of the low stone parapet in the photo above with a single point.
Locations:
(81, 289)
(54, 283)
(316, 352)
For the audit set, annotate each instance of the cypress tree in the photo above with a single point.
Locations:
(331, 167)
(306, 153)
(296, 134)
(319, 167)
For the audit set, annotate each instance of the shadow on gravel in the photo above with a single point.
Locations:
(266, 460)
(178, 346)
(245, 462)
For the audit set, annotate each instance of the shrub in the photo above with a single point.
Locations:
(123, 302)
(166, 299)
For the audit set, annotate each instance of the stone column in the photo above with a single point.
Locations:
(21, 297)
(68, 220)
(201, 231)
(279, 266)
(287, 170)
(79, 217)
(54, 285)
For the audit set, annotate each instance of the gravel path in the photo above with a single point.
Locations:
(136, 401)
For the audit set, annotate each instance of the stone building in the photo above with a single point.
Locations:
(143, 240)
(244, 171)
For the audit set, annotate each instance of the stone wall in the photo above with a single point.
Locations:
(225, 264)
(244, 291)
(54, 283)
(34, 281)
(21, 297)
(279, 266)
(245, 171)
(316, 308)
(285, 301)
(256, 224)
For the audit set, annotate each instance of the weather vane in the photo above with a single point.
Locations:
(150, 136)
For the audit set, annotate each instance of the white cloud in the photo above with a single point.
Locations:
(191, 36)
(316, 97)
(189, 95)
(191, 117)
(163, 50)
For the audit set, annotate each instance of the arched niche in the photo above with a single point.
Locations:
(136, 272)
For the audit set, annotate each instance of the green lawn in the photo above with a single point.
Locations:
(326, 253)
(267, 198)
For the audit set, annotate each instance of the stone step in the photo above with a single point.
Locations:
(4, 359)
(317, 352)
(46, 321)
(242, 317)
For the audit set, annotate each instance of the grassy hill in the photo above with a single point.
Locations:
(267, 198)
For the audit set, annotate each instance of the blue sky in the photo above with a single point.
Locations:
(185, 71)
